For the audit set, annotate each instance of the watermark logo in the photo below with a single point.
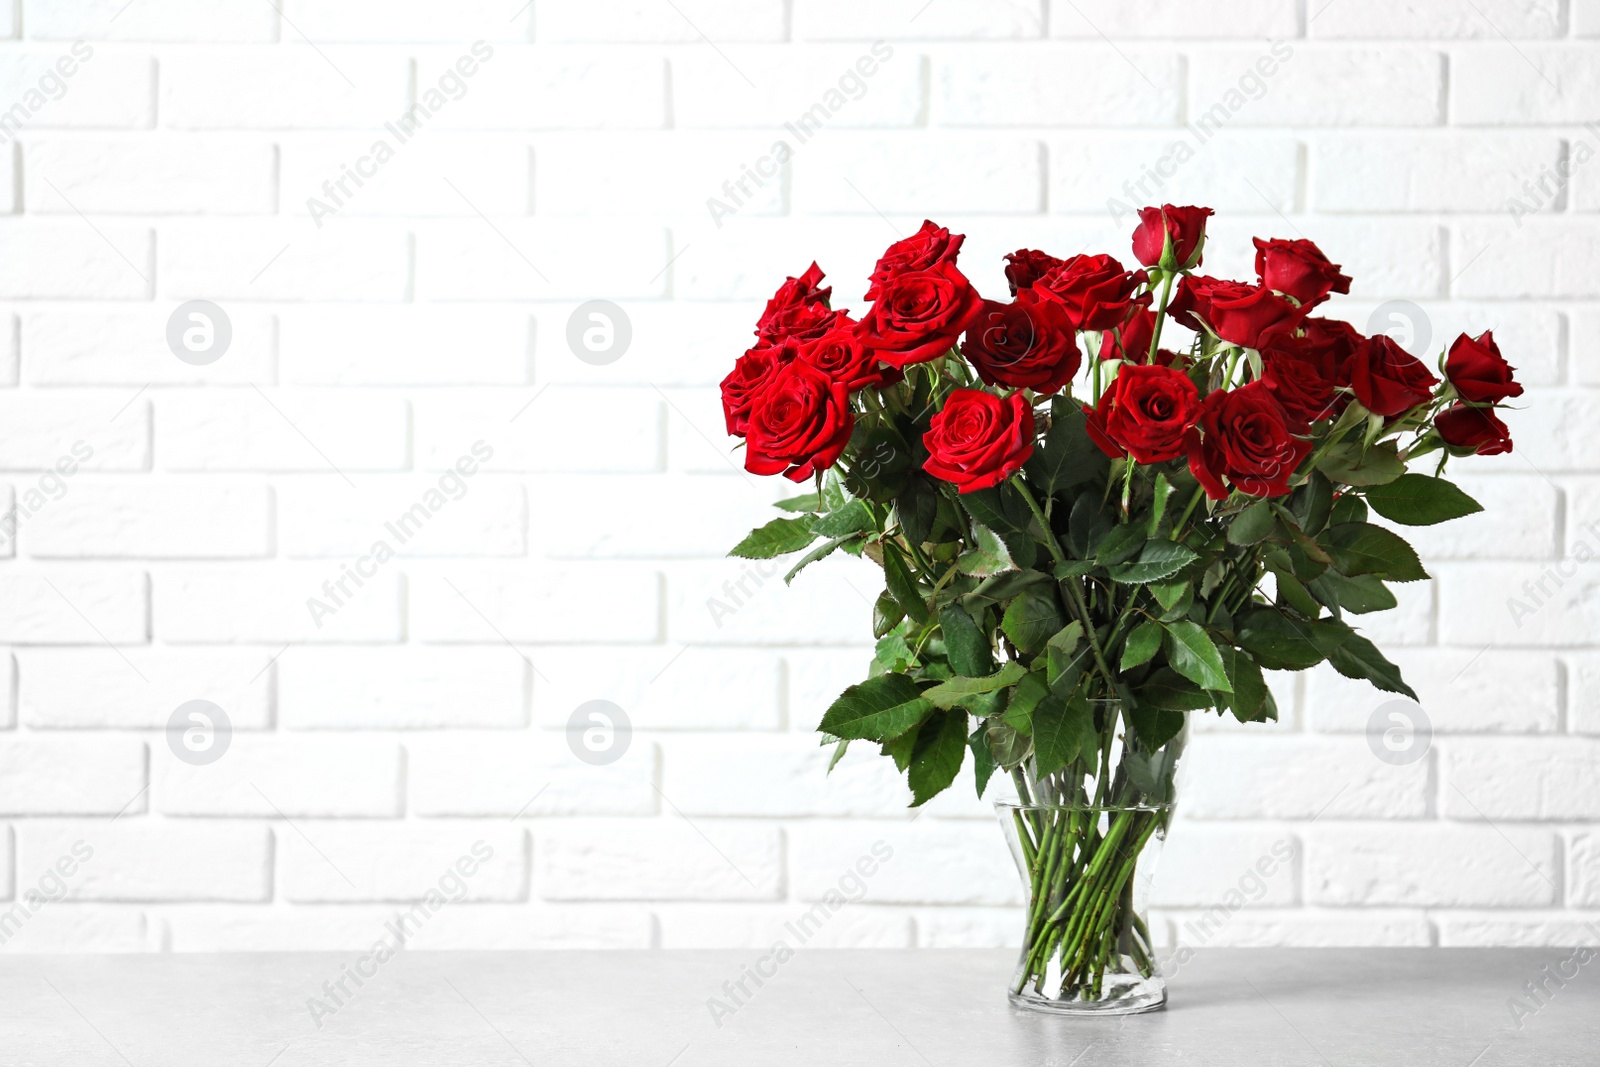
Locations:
(599, 732)
(1399, 732)
(199, 732)
(52, 886)
(199, 332)
(52, 85)
(599, 332)
(1404, 323)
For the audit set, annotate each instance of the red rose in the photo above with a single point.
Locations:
(1023, 346)
(1476, 428)
(1249, 441)
(799, 424)
(1299, 385)
(1387, 379)
(1170, 237)
(979, 440)
(926, 248)
(1026, 266)
(840, 355)
(751, 374)
(1095, 290)
(1328, 343)
(798, 309)
(1145, 413)
(919, 315)
(1298, 269)
(1478, 371)
(1248, 315)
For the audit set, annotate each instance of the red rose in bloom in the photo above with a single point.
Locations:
(926, 248)
(1249, 441)
(1298, 269)
(1478, 371)
(1185, 227)
(1329, 343)
(979, 440)
(799, 424)
(840, 355)
(1387, 379)
(1299, 385)
(1476, 428)
(1026, 266)
(1248, 315)
(798, 309)
(1023, 346)
(1095, 290)
(1144, 413)
(751, 374)
(919, 315)
(1131, 340)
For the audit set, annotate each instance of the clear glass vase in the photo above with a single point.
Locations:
(1086, 841)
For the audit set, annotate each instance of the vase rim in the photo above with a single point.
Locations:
(1012, 805)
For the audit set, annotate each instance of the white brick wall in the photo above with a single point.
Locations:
(177, 517)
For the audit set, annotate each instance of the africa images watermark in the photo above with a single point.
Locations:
(1542, 988)
(1559, 573)
(851, 85)
(52, 485)
(1249, 888)
(401, 528)
(51, 887)
(51, 85)
(737, 592)
(1546, 189)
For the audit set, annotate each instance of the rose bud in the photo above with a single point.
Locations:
(751, 374)
(1095, 290)
(1478, 371)
(1026, 266)
(1479, 429)
(979, 440)
(1170, 237)
(1298, 269)
(919, 315)
(926, 248)
(1249, 441)
(840, 355)
(1131, 340)
(1023, 346)
(1146, 412)
(1248, 315)
(798, 309)
(799, 424)
(1387, 379)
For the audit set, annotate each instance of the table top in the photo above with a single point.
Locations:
(1232, 1007)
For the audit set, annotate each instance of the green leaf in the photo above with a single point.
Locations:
(916, 509)
(901, 587)
(957, 690)
(1359, 595)
(1249, 700)
(1291, 591)
(1156, 726)
(966, 646)
(827, 548)
(1087, 523)
(1167, 690)
(1278, 642)
(1346, 462)
(899, 748)
(1418, 500)
(1024, 698)
(855, 517)
(1063, 731)
(1252, 525)
(1120, 545)
(1142, 645)
(1073, 568)
(1312, 502)
(936, 758)
(1170, 594)
(983, 763)
(1362, 548)
(1194, 655)
(1003, 510)
(1032, 618)
(1063, 656)
(804, 502)
(1157, 560)
(838, 753)
(1347, 508)
(1065, 457)
(833, 494)
(886, 615)
(882, 707)
(1009, 747)
(1158, 504)
(1003, 587)
(1355, 657)
(777, 538)
(988, 558)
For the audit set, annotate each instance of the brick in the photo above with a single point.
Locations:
(801, 91)
(763, 610)
(63, 435)
(1490, 20)
(1002, 174)
(283, 431)
(402, 346)
(402, 688)
(8, 699)
(1226, 868)
(150, 176)
(537, 430)
(1583, 691)
(144, 860)
(522, 776)
(963, 20)
(1378, 86)
(73, 261)
(344, 175)
(759, 926)
(969, 928)
(752, 256)
(785, 775)
(289, 86)
(1585, 18)
(1431, 865)
(161, 521)
(88, 688)
(725, 508)
(425, 515)
(640, 20)
(566, 88)
(201, 606)
(1296, 928)
(1555, 930)
(1035, 86)
(1539, 258)
(1531, 84)
(1582, 515)
(354, 927)
(177, 20)
(1518, 521)
(1174, 19)
(1528, 778)
(521, 259)
(543, 606)
(1174, 168)
(664, 859)
(344, 862)
(76, 86)
(244, 260)
(673, 344)
(710, 175)
(113, 346)
(663, 687)
(1583, 872)
(921, 862)
(72, 776)
(74, 607)
(1488, 604)
(265, 776)
(364, 21)
(1462, 690)
(1299, 778)
(80, 928)
(1426, 172)
(698, 441)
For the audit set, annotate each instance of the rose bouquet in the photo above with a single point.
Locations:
(1079, 552)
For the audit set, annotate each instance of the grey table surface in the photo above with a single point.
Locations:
(1233, 1007)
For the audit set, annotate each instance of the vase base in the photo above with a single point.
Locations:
(1136, 996)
